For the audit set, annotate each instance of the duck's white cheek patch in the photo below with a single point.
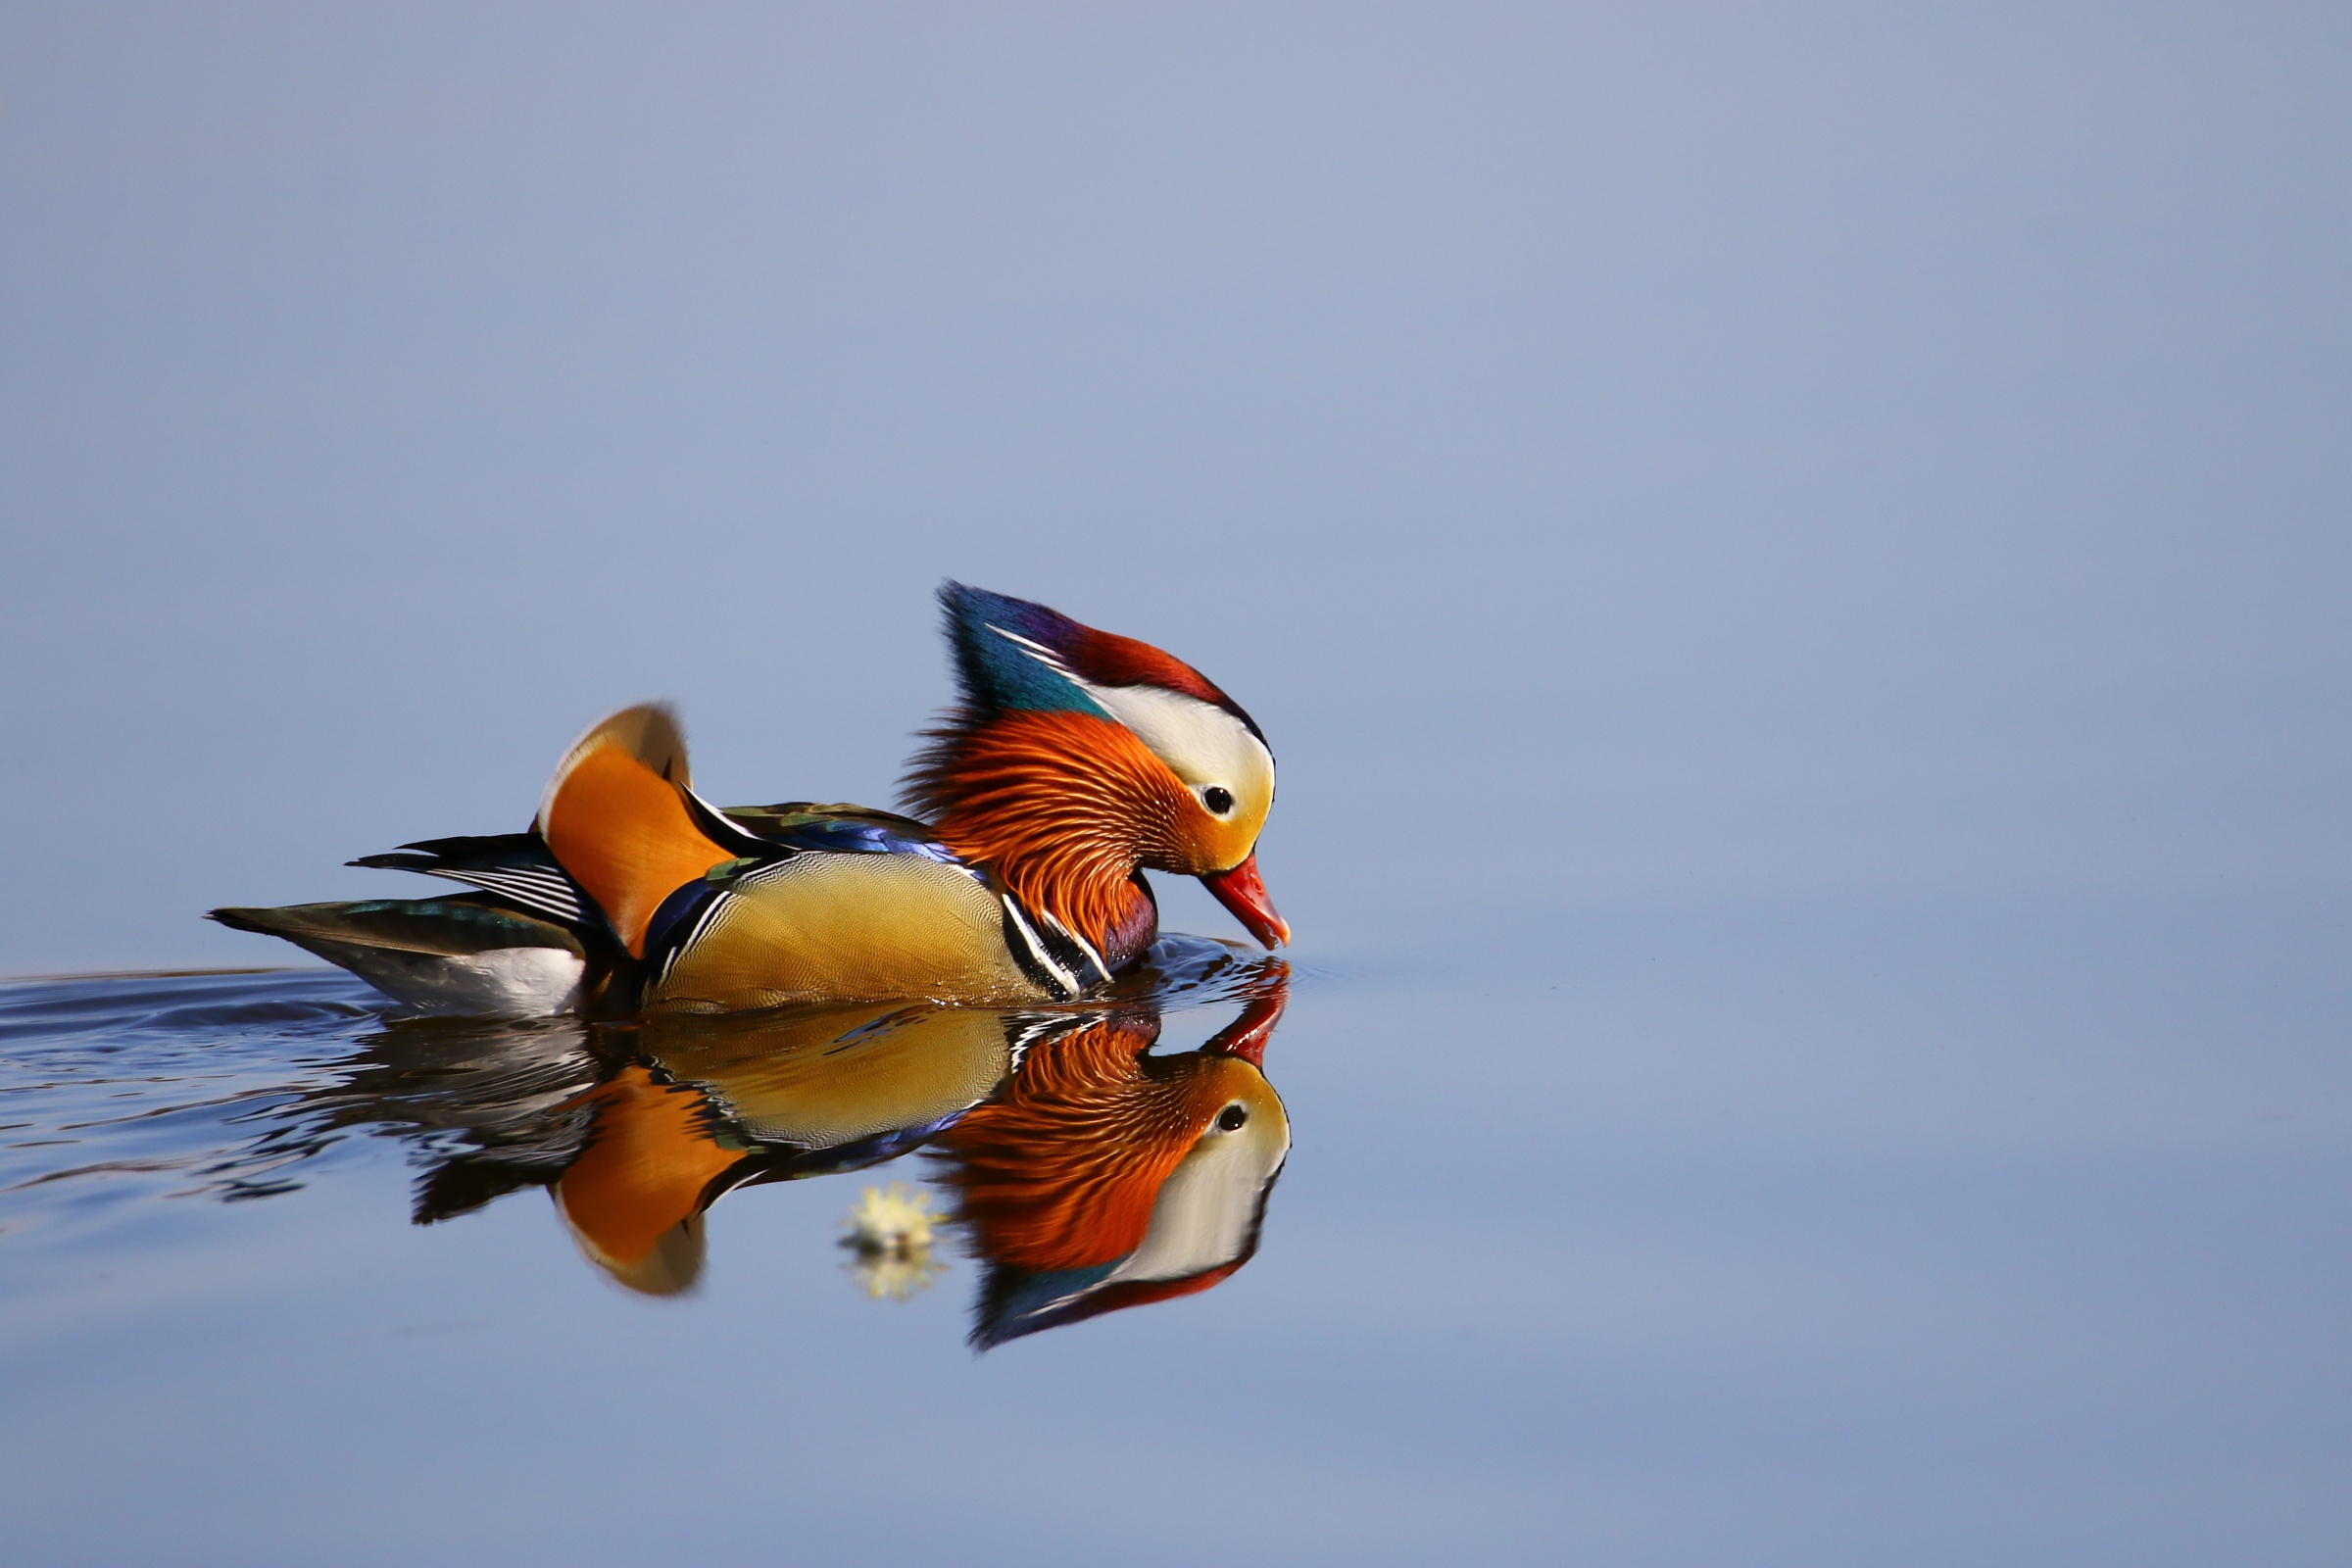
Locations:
(1201, 742)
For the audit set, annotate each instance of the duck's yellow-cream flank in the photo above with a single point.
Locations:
(1074, 760)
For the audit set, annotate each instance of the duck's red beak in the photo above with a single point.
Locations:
(1240, 891)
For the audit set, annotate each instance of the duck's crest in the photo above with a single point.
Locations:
(1013, 656)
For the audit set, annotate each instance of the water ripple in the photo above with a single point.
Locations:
(131, 1086)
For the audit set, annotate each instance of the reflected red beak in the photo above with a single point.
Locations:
(1240, 891)
(1247, 1036)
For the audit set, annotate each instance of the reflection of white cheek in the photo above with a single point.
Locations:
(1206, 1209)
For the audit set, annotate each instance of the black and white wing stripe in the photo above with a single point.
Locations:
(550, 892)
(515, 865)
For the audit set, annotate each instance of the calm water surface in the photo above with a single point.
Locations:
(1951, 1234)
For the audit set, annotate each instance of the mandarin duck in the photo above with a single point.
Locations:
(1073, 760)
(1104, 1176)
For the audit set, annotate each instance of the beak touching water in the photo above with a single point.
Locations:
(1241, 891)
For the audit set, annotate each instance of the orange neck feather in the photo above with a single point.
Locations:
(1063, 807)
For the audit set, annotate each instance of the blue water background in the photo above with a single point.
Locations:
(1794, 559)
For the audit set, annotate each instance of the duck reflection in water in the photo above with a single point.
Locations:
(1086, 1171)
(1103, 1176)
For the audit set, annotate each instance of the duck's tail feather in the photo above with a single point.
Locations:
(618, 832)
(460, 955)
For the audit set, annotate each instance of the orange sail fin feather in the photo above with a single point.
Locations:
(616, 818)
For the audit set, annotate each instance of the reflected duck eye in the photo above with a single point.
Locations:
(1230, 1119)
(1217, 798)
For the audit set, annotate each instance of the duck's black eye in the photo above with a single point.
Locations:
(1231, 1118)
(1217, 798)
